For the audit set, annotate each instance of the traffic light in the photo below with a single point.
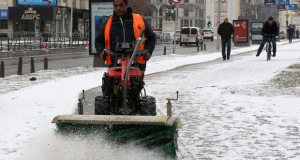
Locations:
(208, 24)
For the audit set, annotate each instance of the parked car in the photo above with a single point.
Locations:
(177, 37)
(191, 35)
(158, 36)
(208, 34)
(282, 35)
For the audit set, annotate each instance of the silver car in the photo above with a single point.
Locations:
(208, 34)
(191, 35)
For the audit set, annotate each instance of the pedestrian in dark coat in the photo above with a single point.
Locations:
(225, 30)
(270, 29)
(291, 32)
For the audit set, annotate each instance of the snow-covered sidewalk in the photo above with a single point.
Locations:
(212, 116)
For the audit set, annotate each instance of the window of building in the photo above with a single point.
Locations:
(149, 13)
(149, 22)
(3, 24)
(160, 23)
(186, 1)
(186, 22)
(201, 12)
(191, 22)
(161, 12)
(186, 13)
(181, 23)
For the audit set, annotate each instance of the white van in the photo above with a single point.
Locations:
(191, 35)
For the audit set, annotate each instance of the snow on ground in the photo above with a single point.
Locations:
(223, 116)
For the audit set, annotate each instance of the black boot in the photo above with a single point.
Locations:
(257, 54)
(274, 54)
(224, 58)
(228, 57)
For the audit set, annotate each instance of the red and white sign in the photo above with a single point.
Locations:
(240, 31)
(176, 1)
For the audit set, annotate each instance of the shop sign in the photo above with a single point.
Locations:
(293, 7)
(37, 2)
(281, 7)
(284, 2)
(30, 14)
(269, 2)
(3, 13)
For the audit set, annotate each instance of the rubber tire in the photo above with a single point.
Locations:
(102, 106)
(148, 106)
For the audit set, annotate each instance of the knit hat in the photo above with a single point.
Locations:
(270, 18)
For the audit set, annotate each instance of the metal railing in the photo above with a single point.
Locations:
(29, 41)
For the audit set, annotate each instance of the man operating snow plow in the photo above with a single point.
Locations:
(124, 112)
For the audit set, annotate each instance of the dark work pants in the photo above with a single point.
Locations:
(265, 39)
(226, 42)
(290, 38)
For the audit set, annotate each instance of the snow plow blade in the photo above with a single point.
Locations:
(115, 120)
(158, 133)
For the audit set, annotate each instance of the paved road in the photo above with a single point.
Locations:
(75, 57)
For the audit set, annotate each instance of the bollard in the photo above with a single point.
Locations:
(8, 43)
(19, 42)
(2, 69)
(165, 50)
(45, 63)
(41, 46)
(31, 65)
(80, 107)
(1, 44)
(20, 66)
(204, 46)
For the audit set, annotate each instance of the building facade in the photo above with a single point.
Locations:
(61, 16)
(229, 8)
(294, 17)
(190, 13)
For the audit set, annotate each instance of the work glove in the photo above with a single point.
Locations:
(147, 56)
(103, 56)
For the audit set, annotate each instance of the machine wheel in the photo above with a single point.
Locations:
(102, 106)
(148, 106)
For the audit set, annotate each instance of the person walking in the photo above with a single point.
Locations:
(290, 32)
(225, 30)
(270, 28)
(297, 33)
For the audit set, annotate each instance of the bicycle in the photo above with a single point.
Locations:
(269, 46)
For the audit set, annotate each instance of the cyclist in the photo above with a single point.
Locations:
(270, 28)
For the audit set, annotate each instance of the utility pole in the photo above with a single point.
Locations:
(176, 17)
(218, 23)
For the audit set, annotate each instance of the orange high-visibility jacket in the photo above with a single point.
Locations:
(138, 26)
